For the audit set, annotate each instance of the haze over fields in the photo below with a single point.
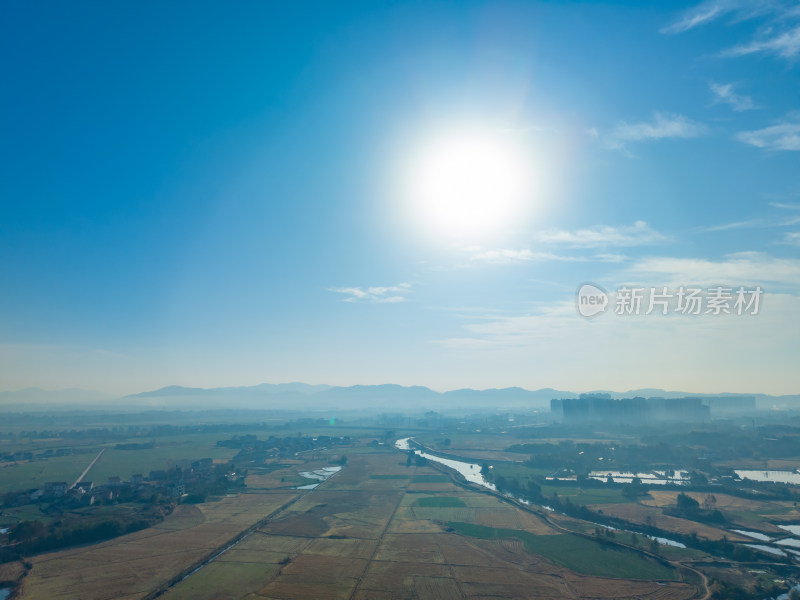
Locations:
(369, 398)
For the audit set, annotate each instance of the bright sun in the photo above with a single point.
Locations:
(470, 185)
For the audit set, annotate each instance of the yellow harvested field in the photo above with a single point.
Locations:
(723, 501)
(636, 513)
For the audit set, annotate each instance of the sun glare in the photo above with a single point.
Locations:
(470, 185)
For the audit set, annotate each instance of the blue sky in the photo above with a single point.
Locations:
(225, 195)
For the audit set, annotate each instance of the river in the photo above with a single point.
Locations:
(472, 473)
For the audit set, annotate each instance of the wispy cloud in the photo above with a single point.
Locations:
(703, 13)
(638, 234)
(733, 225)
(556, 341)
(506, 256)
(783, 136)
(779, 35)
(741, 268)
(792, 238)
(785, 205)
(374, 295)
(661, 126)
(785, 44)
(777, 219)
(724, 94)
(709, 11)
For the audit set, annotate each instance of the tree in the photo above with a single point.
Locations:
(27, 530)
(696, 478)
(534, 489)
(687, 503)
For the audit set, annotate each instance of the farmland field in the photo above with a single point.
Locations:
(377, 529)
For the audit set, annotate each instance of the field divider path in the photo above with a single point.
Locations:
(87, 469)
(221, 549)
(378, 544)
(453, 572)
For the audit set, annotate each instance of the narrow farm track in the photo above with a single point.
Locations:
(378, 543)
(209, 557)
(87, 469)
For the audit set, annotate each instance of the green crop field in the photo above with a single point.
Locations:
(234, 579)
(430, 479)
(36, 473)
(576, 553)
(440, 502)
(579, 495)
(124, 463)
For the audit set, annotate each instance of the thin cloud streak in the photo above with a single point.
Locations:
(701, 14)
(786, 45)
(724, 94)
(734, 225)
(374, 295)
(661, 126)
(507, 256)
(783, 136)
(741, 268)
(638, 234)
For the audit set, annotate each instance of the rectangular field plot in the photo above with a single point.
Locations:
(437, 587)
(412, 547)
(394, 577)
(223, 581)
(346, 548)
(316, 576)
(260, 542)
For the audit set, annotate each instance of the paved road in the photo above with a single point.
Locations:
(87, 469)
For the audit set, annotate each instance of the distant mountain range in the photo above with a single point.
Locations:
(302, 396)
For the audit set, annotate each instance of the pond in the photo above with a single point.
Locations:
(790, 477)
(795, 529)
(754, 534)
(653, 478)
(768, 549)
(319, 475)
